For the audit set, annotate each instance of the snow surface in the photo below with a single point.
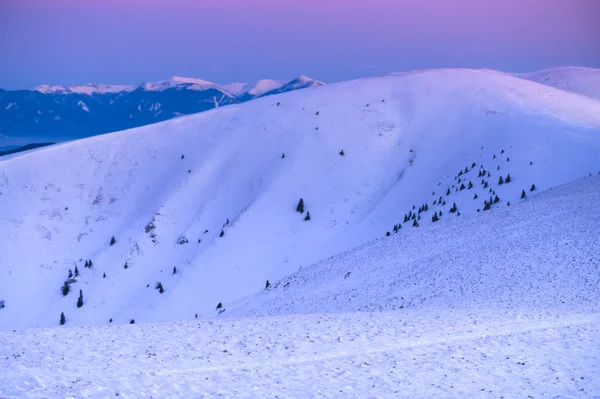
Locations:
(501, 304)
(405, 139)
(585, 81)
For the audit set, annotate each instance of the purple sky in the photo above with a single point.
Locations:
(130, 41)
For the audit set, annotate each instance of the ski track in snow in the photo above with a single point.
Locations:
(375, 355)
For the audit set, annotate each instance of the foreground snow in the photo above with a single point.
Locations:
(508, 312)
(364, 355)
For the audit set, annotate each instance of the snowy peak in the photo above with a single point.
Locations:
(301, 82)
(180, 83)
(89, 89)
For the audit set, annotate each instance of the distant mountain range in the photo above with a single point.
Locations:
(58, 113)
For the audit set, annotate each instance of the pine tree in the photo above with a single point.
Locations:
(63, 320)
(76, 271)
(508, 178)
(159, 287)
(103, 275)
(435, 218)
(283, 155)
(485, 185)
(342, 153)
(462, 187)
(448, 192)
(222, 233)
(80, 299)
(182, 156)
(508, 203)
(470, 185)
(387, 234)
(502, 152)
(86, 264)
(500, 180)
(307, 218)
(475, 197)
(66, 288)
(454, 208)
(300, 207)
(532, 187)
(523, 195)
(267, 284)
(125, 266)
(132, 321)
(496, 199)
(174, 269)
(70, 274)
(415, 224)
(113, 241)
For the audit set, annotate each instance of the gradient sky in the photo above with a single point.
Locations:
(130, 41)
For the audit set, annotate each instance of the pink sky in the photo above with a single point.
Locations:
(129, 41)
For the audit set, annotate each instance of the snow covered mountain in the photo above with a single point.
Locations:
(60, 113)
(499, 304)
(207, 204)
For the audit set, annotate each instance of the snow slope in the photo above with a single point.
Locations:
(585, 81)
(500, 304)
(210, 196)
(540, 253)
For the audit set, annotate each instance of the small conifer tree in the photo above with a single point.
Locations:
(174, 269)
(113, 241)
(222, 233)
(267, 284)
(63, 320)
(508, 178)
(76, 271)
(500, 180)
(300, 206)
(523, 195)
(307, 218)
(435, 218)
(103, 275)
(80, 299)
(66, 288)
(125, 266)
(342, 153)
(70, 274)
(283, 155)
(532, 187)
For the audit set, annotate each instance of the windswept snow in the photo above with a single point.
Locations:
(214, 195)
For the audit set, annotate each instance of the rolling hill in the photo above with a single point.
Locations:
(206, 204)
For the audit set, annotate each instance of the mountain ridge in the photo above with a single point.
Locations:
(206, 204)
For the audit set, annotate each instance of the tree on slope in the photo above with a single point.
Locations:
(300, 206)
